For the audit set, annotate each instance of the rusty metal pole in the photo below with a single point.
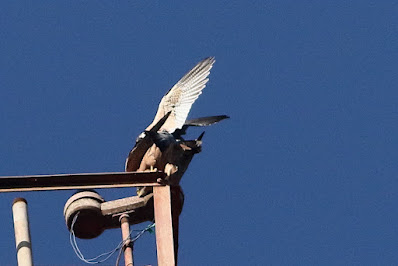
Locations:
(164, 228)
(22, 235)
(128, 251)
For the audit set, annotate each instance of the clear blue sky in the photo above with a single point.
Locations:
(304, 172)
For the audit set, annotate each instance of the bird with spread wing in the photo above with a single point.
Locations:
(161, 146)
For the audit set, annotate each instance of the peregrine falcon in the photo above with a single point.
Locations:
(161, 146)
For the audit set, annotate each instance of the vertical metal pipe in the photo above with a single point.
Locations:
(177, 201)
(128, 251)
(164, 229)
(22, 234)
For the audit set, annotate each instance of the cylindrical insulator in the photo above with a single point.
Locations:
(22, 235)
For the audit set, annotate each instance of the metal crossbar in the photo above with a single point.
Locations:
(79, 181)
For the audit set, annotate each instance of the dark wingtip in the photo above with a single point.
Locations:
(160, 123)
(209, 58)
(205, 121)
(222, 117)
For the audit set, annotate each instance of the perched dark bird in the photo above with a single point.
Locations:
(161, 146)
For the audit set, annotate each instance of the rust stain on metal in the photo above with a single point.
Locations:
(128, 251)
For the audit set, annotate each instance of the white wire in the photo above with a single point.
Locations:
(96, 260)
